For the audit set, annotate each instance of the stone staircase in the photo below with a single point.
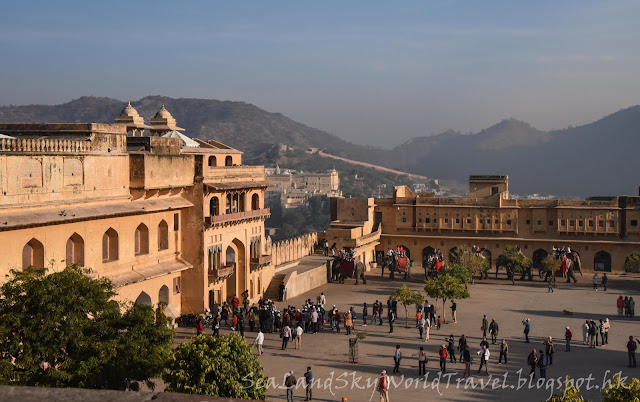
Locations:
(272, 291)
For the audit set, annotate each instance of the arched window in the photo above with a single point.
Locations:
(214, 206)
(110, 245)
(255, 202)
(142, 239)
(75, 250)
(144, 298)
(163, 235)
(230, 255)
(241, 198)
(212, 161)
(228, 161)
(229, 203)
(33, 254)
(163, 294)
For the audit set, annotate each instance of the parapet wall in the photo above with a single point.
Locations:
(288, 250)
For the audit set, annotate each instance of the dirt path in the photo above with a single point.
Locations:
(365, 164)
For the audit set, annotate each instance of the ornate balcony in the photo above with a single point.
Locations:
(259, 262)
(236, 217)
(224, 272)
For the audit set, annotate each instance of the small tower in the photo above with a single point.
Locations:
(130, 118)
(163, 122)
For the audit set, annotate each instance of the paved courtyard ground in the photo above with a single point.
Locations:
(327, 352)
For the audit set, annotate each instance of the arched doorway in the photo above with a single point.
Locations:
(33, 254)
(214, 206)
(144, 299)
(228, 161)
(255, 202)
(602, 261)
(212, 161)
(75, 250)
(539, 255)
(486, 253)
(426, 253)
(251, 288)
(163, 294)
(407, 252)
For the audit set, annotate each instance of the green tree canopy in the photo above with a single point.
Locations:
(407, 297)
(632, 263)
(513, 260)
(217, 366)
(570, 393)
(64, 330)
(475, 264)
(619, 390)
(550, 264)
(445, 287)
(462, 274)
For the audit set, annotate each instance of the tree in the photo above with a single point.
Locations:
(445, 287)
(220, 366)
(64, 330)
(632, 263)
(619, 390)
(475, 264)
(407, 297)
(550, 264)
(514, 261)
(459, 272)
(570, 393)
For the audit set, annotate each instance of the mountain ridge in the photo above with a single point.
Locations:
(569, 162)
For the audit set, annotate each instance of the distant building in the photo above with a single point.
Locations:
(295, 188)
(603, 230)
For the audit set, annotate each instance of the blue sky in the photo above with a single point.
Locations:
(369, 71)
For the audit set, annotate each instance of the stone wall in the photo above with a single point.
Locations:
(291, 249)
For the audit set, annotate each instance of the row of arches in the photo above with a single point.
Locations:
(601, 259)
(235, 202)
(213, 161)
(163, 296)
(33, 250)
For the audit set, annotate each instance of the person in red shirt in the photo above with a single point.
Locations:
(620, 305)
(234, 322)
(383, 386)
(567, 336)
(199, 327)
(443, 357)
(235, 302)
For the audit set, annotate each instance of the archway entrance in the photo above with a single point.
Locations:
(407, 252)
(144, 299)
(163, 294)
(235, 256)
(602, 261)
(539, 255)
(426, 253)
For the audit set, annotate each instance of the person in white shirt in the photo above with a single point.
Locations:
(323, 299)
(259, 340)
(299, 331)
(484, 358)
(427, 327)
(314, 321)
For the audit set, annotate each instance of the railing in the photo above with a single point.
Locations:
(210, 220)
(44, 145)
(259, 262)
(218, 274)
(226, 174)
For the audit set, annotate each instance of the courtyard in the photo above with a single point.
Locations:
(327, 352)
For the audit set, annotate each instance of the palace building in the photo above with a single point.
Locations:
(165, 217)
(603, 230)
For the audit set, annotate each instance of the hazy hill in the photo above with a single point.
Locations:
(599, 158)
(594, 159)
(238, 124)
